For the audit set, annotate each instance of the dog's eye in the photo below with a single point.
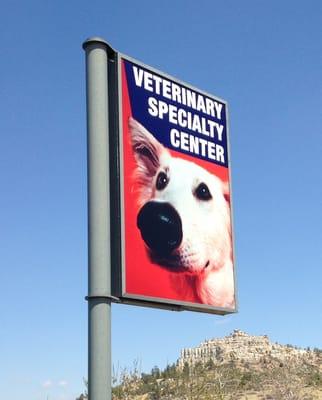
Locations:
(162, 181)
(202, 192)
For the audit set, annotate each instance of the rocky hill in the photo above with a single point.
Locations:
(236, 367)
(244, 349)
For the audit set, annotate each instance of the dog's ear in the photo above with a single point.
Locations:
(226, 191)
(147, 150)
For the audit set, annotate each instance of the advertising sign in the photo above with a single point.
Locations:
(175, 204)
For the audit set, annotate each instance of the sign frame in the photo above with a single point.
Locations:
(119, 293)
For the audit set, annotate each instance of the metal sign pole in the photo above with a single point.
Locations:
(99, 256)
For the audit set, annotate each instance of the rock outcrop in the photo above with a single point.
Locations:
(241, 348)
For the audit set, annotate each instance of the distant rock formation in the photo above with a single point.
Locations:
(241, 348)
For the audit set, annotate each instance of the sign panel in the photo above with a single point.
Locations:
(175, 203)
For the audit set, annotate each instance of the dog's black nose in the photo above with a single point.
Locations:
(160, 227)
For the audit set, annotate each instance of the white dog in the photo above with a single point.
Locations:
(184, 220)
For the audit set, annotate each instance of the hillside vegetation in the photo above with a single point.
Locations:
(269, 381)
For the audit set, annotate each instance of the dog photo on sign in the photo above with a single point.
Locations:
(184, 220)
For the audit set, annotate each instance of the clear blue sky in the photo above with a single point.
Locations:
(265, 59)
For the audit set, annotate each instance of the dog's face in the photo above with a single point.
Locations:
(184, 217)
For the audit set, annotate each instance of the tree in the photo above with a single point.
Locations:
(155, 372)
(210, 364)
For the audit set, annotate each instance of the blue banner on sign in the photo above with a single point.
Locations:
(181, 118)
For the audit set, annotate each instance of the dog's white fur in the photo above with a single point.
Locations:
(204, 257)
